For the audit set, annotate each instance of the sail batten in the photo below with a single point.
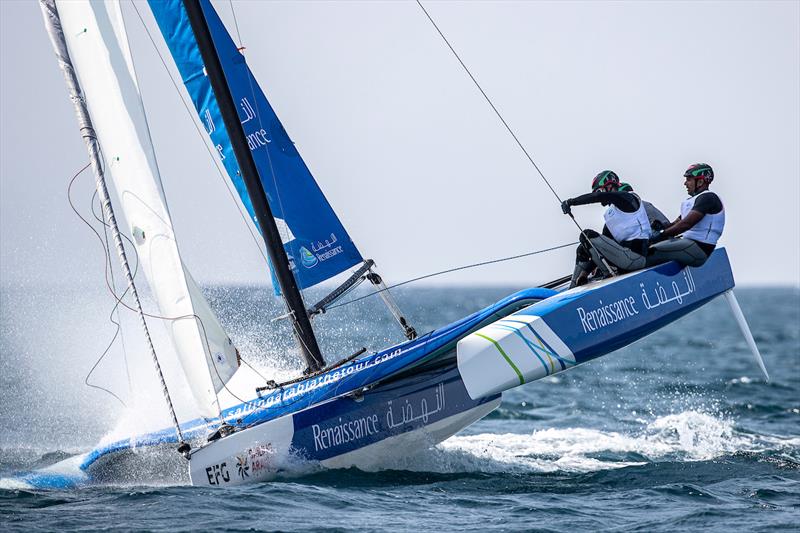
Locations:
(97, 42)
(316, 243)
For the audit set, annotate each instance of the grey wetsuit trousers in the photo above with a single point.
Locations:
(684, 251)
(600, 247)
(616, 254)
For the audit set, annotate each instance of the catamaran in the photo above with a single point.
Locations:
(352, 410)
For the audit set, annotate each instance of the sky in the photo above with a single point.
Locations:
(419, 168)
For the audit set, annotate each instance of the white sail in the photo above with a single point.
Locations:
(97, 41)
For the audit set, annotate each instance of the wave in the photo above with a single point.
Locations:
(682, 437)
(677, 438)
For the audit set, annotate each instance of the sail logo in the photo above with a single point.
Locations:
(308, 259)
(325, 250)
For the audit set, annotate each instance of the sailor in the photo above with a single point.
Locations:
(625, 234)
(658, 220)
(700, 224)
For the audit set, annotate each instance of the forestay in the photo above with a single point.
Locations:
(315, 241)
(97, 41)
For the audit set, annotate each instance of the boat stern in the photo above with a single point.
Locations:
(586, 322)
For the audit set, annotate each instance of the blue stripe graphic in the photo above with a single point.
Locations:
(546, 348)
(527, 343)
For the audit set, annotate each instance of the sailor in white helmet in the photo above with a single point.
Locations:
(700, 224)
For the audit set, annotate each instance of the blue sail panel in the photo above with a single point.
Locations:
(316, 243)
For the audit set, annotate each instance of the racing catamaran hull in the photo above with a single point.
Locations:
(385, 406)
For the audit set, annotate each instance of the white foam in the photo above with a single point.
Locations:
(744, 380)
(10, 483)
(686, 436)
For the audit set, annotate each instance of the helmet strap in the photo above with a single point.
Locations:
(700, 185)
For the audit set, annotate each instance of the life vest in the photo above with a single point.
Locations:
(709, 228)
(654, 214)
(627, 226)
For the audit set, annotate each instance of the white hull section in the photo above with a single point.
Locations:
(265, 451)
(513, 351)
(254, 454)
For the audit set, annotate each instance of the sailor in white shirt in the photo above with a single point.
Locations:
(625, 235)
(700, 225)
(658, 220)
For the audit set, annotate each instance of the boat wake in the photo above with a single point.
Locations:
(682, 437)
(675, 438)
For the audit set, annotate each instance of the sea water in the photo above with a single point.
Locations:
(678, 431)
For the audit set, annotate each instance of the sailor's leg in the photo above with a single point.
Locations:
(585, 250)
(583, 264)
(581, 274)
(616, 254)
(684, 251)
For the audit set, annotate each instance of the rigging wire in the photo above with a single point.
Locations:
(115, 309)
(192, 115)
(202, 135)
(455, 269)
(227, 186)
(491, 104)
(513, 135)
(119, 302)
(389, 302)
(118, 329)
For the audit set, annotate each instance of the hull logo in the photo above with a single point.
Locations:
(242, 466)
(218, 472)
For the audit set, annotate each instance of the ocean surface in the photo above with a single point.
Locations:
(678, 431)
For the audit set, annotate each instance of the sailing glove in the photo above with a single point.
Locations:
(656, 237)
(565, 207)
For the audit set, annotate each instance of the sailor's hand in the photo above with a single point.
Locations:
(656, 226)
(565, 207)
(657, 236)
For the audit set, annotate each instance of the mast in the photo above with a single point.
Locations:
(301, 325)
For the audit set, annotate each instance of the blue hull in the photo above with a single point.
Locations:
(330, 395)
(389, 410)
(581, 324)
(418, 385)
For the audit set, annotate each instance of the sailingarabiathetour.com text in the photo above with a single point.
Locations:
(311, 384)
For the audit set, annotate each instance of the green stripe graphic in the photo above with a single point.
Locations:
(508, 360)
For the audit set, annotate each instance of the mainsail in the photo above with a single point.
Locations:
(315, 240)
(97, 41)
